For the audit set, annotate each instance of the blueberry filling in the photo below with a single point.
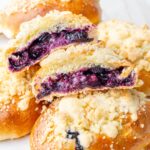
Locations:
(74, 135)
(43, 45)
(94, 77)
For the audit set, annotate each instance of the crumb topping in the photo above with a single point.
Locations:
(98, 113)
(15, 6)
(130, 41)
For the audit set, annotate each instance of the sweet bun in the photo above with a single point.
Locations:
(81, 68)
(132, 43)
(28, 9)
(42, 35)
(15, 123)
(17, 104)
(114, 119)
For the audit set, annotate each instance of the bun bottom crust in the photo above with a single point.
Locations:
(15, 123)
(131, 137)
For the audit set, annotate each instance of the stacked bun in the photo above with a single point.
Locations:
(19, 62)
(91, 87)
(90, 77)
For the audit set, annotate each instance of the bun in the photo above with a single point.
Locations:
(28, 9)
(80, 68)
(116, 119)
(132, 43)
(41, 36)
(18, 108)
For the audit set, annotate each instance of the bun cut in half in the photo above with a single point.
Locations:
(81, 68)
(41, 36)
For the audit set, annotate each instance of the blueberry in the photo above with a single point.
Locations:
(44, 37)
(77, 36)
(36, 52)
(74, 135)
(18, 60)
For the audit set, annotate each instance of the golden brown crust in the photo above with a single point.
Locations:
(127, 138)
(145, 77)
(28, 9)
(15, 123)
(132, 136)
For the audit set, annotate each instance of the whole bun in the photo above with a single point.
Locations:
(116, 119)
(17, 12)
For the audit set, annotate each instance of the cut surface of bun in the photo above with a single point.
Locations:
(41, 36)
(81, 68)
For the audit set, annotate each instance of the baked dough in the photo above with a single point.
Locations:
(114, 119)
(42, 35)
(16, 12)
(81, 68)
(17, 104)
(132, 43)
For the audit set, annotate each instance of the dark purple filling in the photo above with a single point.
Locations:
(42, 46)
(74, 135)
(94, 77)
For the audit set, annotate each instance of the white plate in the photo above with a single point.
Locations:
(136, 11)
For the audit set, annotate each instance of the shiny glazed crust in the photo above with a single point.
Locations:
(28, 9)
(134, 135)
(15, 123)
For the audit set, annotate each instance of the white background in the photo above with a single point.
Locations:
(137, 11)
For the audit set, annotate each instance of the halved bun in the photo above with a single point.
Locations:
(80, 68)
(41, 36)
